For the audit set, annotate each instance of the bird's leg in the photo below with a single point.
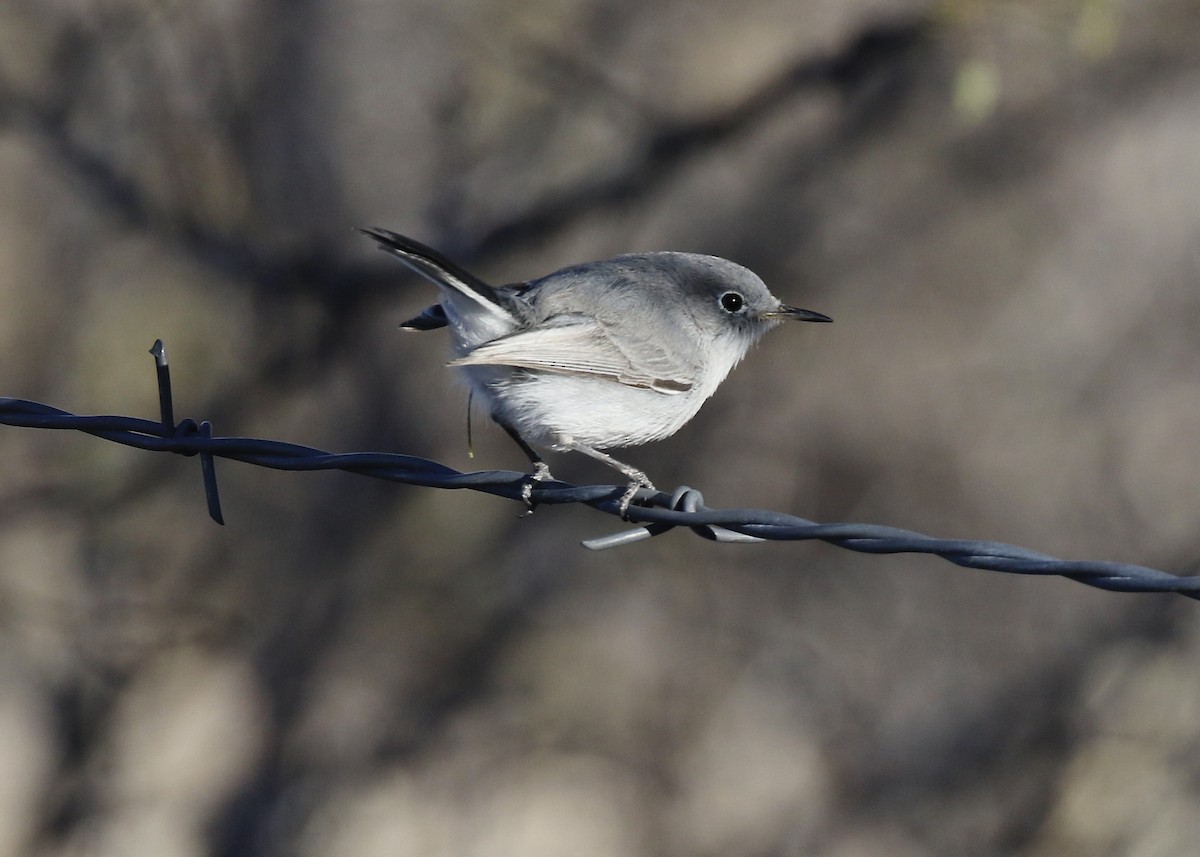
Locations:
(637, 479)
(541, 470)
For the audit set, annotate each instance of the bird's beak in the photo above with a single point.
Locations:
(786, 313)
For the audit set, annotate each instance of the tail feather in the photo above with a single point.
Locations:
(429, 319)
(435, 267)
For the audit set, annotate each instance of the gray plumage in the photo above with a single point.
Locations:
(600, 355)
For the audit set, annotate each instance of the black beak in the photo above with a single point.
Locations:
(795, 314)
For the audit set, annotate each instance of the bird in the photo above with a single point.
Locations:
(600, 355)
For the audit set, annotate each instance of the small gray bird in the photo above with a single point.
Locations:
(599, 355)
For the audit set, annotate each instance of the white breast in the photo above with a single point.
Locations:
(546, 408)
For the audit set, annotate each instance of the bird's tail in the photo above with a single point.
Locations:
(431, 318)
(437, 269)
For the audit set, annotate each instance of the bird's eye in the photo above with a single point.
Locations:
(732, 302)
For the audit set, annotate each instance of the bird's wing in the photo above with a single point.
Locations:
(585, 347)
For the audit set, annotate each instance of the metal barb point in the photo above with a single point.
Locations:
(166, 406)
(208, 470)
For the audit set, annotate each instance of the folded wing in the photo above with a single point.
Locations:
(585, 347)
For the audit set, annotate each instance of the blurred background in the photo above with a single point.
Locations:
(996, 201)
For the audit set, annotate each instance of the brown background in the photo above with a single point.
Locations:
(998, 202)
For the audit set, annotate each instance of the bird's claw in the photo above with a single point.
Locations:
(541, 473)
(639, 482)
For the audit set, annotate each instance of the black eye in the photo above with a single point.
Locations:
(732, 302)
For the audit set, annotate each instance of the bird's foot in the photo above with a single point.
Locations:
(637, 481)
(541, 473)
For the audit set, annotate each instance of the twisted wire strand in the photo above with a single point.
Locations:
(655, 512)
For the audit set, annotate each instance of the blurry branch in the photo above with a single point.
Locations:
(871, 59)
(876, 52)
(656, 512)
(123, 195)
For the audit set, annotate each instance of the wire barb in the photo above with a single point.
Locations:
(208, 469)
(163, 371)
(653, 511)
(684, 499)
(166, 407)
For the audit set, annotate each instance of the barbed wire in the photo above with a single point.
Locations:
(654, 511)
